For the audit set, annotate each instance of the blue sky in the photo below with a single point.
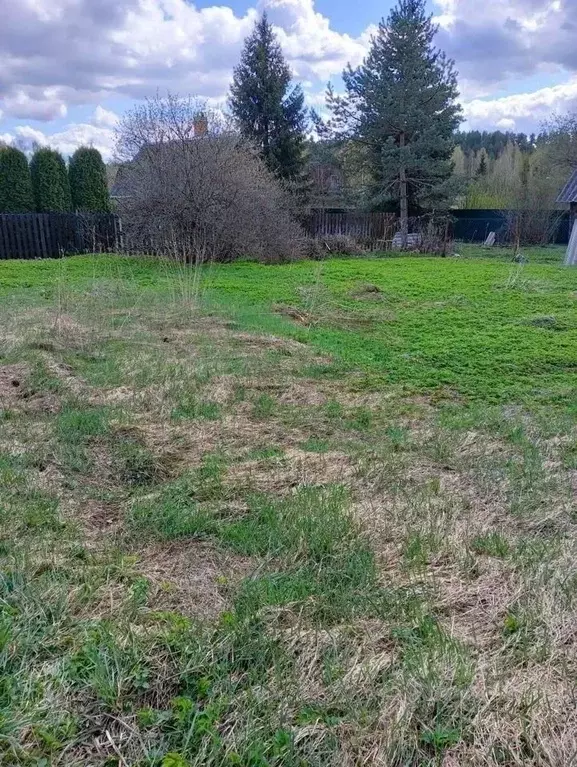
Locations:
(68, 68)
(345, 16)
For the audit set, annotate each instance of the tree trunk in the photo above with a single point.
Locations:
(404, 197)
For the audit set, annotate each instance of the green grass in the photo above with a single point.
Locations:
(231, 538)
(452, 327)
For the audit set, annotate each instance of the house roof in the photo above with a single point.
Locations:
(121, 186)
(569, 193)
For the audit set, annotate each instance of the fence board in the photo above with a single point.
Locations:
(47, 219)
(10, 245)
(37, 235)
(17, 239)
(30, 234)
(48, 235)
(3, 243)
(44, 235)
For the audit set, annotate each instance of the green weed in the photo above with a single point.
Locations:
(492, 544)
(315, 445)
(75, 425)
(264, 453)
(264, 406)
(191, 407)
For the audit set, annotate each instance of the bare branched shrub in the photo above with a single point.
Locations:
(329, 245)
(193, 189)
(534, 226)
(434, 230)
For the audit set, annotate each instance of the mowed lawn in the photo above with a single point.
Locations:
(320, 513)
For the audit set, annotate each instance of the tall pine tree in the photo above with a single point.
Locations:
(50, 181)
(401, 103)
(268, 109)
(15, 182)
(88, 185)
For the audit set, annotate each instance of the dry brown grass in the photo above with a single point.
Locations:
(194, 578)
(295, 468)
(12, 383)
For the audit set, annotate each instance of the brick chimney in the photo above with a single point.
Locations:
(200, 125)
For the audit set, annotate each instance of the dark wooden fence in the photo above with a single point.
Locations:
(370, 227)
(49, 235)
(534, 227)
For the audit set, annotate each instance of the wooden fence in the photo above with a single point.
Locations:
(378, 229)
(370, 227)
(49, 235)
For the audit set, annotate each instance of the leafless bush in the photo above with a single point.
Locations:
(193, 189)
(531, 227)
(333, 245)
(434, 230)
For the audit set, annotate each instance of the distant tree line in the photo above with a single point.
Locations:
(515, 170)
(495, 142)
(48, 184)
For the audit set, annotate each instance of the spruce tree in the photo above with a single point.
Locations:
(482, 169)
(268, 109)
(50, 181)
(15, 182)
(88, 185)
(401, 104)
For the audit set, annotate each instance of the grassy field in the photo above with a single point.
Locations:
(314, 514)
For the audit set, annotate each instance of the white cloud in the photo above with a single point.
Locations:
(56, 54)
(313, 48)
(104, 117)
(35, 104)
(97, 132)
(494, 40)
(506, 124)
(523, 111)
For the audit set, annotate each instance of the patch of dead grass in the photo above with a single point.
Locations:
(65, 374)
(16, 395)
(183, 444)
(12, 383)
(98, 520)
(293, 469)
(192, 577)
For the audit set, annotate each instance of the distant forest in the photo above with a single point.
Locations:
(510, 170)
(495, 142)
(492, 169)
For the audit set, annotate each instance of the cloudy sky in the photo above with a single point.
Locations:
(69, 67)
